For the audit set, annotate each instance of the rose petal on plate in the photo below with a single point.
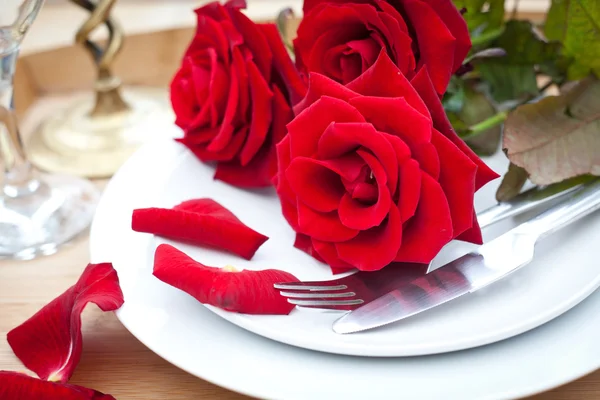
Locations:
(246, 292)
(18, 386)
(202, 222)
(49, 343)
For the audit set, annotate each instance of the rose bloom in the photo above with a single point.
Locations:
(373, 173)
(341, 39)
(233, 92)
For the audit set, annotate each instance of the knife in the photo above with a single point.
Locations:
(520, 204)
(489, 263)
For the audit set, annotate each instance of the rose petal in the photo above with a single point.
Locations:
(427, 156)
(409, 189)
(49, 343)
(247, 292)
(457, 25)
(395, 84)
(305, 244)
(222, 139)
(328, 252)
(308, 127)
(375, 248)
(458, 182)
(423, 85)
(254, 39)
(262, 98)
(322, 226)
(395, 116)
(202, 222)
(436, 43)
(17, 386)
(432, 221)
(318, 184)
(356, 215)
(340, 138)
(296, 87)
(320, 86)
(473, 234)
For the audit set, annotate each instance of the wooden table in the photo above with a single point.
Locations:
(113, 360)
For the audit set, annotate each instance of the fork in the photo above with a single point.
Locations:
(352, 291)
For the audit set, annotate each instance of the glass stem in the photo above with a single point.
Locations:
(19, 178)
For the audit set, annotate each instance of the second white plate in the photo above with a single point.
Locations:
(563, 274)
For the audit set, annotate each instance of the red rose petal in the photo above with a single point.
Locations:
(395, 116)
(432, 221)
(202, 222)
(340, 138)
(328, 252)
(423, 85)
(395, 84)
(17, 386)
(254, 39)
(320, 86)
(49, 343)
(317, 183)
(262, 98)
(222, 139)
(458, 182)
(305, 244)
(283, 64)
(322, 226)
(409, 189)
(399, 37)
(448, 12)
(307, 128)
(375, 248)
(247, 292)
(427, 156)
(356, 215)
(436, 43)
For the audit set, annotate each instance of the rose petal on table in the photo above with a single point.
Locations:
(202, 222)
(49, 343)
(18, 386)
(246, 292)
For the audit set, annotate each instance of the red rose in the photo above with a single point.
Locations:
(233, 93)
(341, 39)
(366, 177)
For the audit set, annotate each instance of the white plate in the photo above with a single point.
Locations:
(563, 274)
(177, 328)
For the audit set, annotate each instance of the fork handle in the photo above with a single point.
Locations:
(579, 205)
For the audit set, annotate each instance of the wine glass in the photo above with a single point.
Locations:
(38, 213)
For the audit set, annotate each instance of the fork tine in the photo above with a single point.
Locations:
(316, 295)
(311, 286)
(325, 303)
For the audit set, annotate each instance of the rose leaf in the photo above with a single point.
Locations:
(482, 15)
(575, 24)
(558, 137)
(512, 183)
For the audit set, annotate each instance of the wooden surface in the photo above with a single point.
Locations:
(113, 360)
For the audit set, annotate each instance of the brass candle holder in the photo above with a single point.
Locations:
(94, 137)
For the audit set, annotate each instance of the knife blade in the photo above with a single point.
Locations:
(533, 198)
(489, 263)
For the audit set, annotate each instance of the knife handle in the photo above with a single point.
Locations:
(579, 205)
(520, 204)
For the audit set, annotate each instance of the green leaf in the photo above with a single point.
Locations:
(482, 15)
(509, 82)
(558, 137)
(576, 24)
(512, 183)
(477, 107)
(514, 75)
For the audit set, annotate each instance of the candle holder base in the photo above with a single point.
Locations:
(75, 143)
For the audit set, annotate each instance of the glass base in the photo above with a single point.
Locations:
(73, 143)
(57, 209)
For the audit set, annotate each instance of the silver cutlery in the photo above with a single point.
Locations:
(491, 262)
(352, 291)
